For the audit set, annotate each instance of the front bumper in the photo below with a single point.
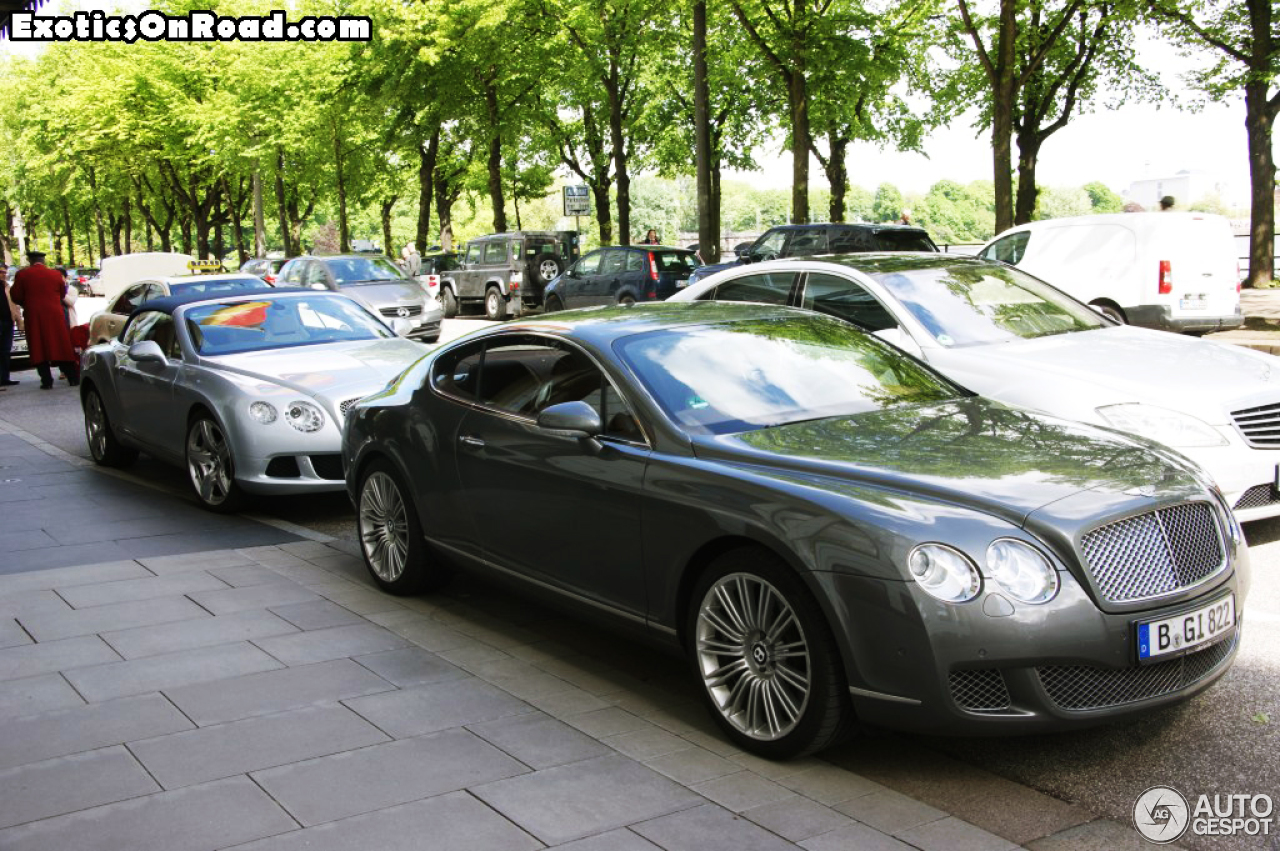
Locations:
(1247, 476)
(983, 668)
(317, 472)
(1160, 317)
(428, 331)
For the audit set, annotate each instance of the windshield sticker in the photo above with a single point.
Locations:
(945, 339)
(250, 314)
(696, 402)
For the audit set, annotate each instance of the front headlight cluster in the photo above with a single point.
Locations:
(303, 416)
(1015, 568)
(1172, 428)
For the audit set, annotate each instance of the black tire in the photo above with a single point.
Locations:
(105, 448)
(626, 299)
(801, 722)
(547, 268)
(390, 534)
(449, 302)
(1111, 312)
(552, 304)
(211, 468)
(495, 306)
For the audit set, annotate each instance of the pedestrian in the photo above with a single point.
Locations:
(651, 238)
(9, 319)
(412, 260)
(1166, 203)
(906, 218)
(40, 290)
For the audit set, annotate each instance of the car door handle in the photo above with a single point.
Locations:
(471, 440)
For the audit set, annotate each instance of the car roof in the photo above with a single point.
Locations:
(871, 226)
(888, 262)
(221, 276)
(169, 304)
(643, 247)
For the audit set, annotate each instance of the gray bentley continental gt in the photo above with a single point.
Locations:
(824, 526)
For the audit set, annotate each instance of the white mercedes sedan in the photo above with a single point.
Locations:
(1012, 337)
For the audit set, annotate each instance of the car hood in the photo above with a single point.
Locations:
(333, 371)
(387, 294)
(972, 452)
(1073, 374)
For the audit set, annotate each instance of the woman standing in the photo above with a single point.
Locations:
(39, 290)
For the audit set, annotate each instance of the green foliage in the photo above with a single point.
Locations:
(1060, 202)
(1102, 199)
(887, 205)
(953, 213)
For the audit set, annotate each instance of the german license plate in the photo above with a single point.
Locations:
(20, 345)
(1194, 302)
(681, 284)
(1187, 632)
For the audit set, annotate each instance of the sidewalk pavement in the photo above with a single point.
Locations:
(271, 698)
(1261, 329)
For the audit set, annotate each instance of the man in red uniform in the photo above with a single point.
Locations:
(39, 290)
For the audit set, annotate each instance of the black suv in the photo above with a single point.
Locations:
(839, 238)
(506, 272)
(622, 275)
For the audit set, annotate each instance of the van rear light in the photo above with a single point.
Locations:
(515, 285)
(1166, 277)
(653, 267)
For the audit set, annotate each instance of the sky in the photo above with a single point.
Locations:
(1132, 141)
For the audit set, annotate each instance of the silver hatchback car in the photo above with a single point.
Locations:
(373, 280)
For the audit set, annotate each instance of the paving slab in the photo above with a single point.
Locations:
(124, 590)
(742, 791)
(953, 834)
(692, 765)
(200, 818)
(453, 822)
(411, 666)
(335, 787)
(106, 618)
(169, 670)
(60, 732)
(34, 695)
(253, 597)
(322, 645)
(211, 753)
(797, 818)
(207, 559)
(31, 603)
(709, 828)
(889, 811)
(576, 800)
(276, 691)
(247, 575)
(855, 836)
(539, 741)
(204, 632)
(615, 840)
(87, 571)
(436, 706)
(1100, 835)
(317, 614)
(70, 783)
(52, 656)
(12, 635)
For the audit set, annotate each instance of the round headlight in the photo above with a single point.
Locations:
(945, 573)
(304, 416)
(263, 412)
(1021, 571)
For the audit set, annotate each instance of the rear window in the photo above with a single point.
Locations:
(675, 261)
(889, 240)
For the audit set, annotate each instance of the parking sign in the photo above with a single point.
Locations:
(577, 201)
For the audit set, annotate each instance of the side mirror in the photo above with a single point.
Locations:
(403, 327)
(148, 351)
(573, 419)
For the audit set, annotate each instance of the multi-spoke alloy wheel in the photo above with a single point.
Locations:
(103, 446)
(210, 465)
(753, 656)
(384, 527)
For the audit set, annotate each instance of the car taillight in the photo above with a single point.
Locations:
(653, 268)
(1166, 277)
(1239, 275)
(515, 285)
(84, 279)
(269, 278)
(653, 294)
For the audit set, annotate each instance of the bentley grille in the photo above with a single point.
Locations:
(981, 690)
(1154, 554)
(1081, 687)
(1260, 426)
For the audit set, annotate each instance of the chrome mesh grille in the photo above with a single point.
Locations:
(345, 407)
(1081, 687)
(1257, 497)
(393, 312)
(979, 691)
(1259, 426)
(1156, 553)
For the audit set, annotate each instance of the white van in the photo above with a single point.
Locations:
(1172, 271)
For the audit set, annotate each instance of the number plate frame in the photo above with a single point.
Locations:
(1143, 630)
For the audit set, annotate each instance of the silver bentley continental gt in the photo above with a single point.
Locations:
(825, 527)
(247, 392)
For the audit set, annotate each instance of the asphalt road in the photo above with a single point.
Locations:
(1214, 744)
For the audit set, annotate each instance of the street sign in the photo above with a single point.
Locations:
(577, 201)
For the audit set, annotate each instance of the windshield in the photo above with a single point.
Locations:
(969, 305)
(363, 270)
(251, 326)
(222, 286)
(753, 374)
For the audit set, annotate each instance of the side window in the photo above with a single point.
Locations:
(293, 272)
(635, 261)
(129, 299)
(1008, 250)
(474, 252)
(613, 262)
(808, 242)
(456, 373)
(589, 265)
(152, 291)
(764, 287)
(162, 332)
(316, 275)
(847, 300)
(139, 327)
(769, 246)
(495, 253)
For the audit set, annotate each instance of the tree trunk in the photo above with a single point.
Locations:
(344, 229)
(838, 174)
(71, 231)
(117, 224)
(290, 250)
(801, 143)
(600, 193)
(384, 210)
(259, 218)
(617, 139)
(184, 223)
(426, 185)
(6, 235)
(1003, 94)
(708, 233)
(444, 213)
(495, 160)
(1259, 120)
(97, 215)
(57, 246)
(1028, 155)
(716, 226)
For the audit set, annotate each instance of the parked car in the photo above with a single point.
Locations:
(1014, 338)
(248, 392)
(106, 324)
(621, 275)
(374, 280)
(1172, 271)
(824, 525)
(123, 270)
(506, 272)
(266, 268)
(837, 238)
(80, 276)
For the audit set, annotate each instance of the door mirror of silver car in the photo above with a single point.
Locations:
(403, 327)
(573, 419)
(148, 351)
